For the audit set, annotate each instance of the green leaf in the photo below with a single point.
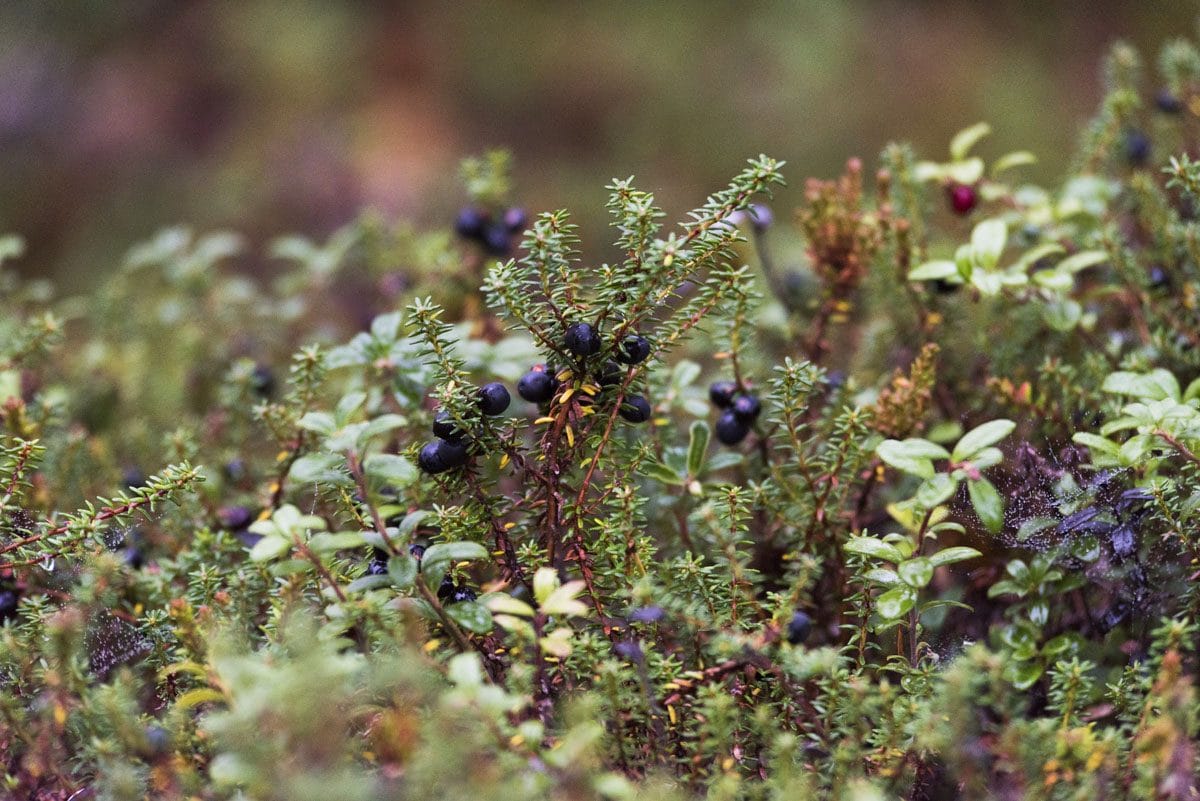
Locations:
(1017, 158)
(1023, 675)
(966, 139)
(319, 422)
(988, 504)
(563, 601)
(1082, 260)
(662, 473)
(269, 547)
(1158, 384)
(964, 172)
(367, 583)
(881, 575)
(697, 447)
(896, 602)
(987, 242)
(450, 552)
(948, 556)
(402, 570)
(471, 616)
(932, 270)
(917, 572)
(911, 455)
(390, 469)
(981, 437)
(319, 468)
(545, 581)
(1094, 442)
(328, 543)
(508, 605)
(936, 490)
(869, 546)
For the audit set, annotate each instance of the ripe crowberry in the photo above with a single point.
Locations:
(721, 393)
(444, 428)
(635, 409)
(799, 628)
(1167, 102)
(761, 217)
(515, 219)
(634, 350)
(963, 198)
(582, 339)
(235, 517)
(8, 604)
(1137, 147)
(536, 386)
(470, 222)
(462, 593)
(262, 381)
(610, 374)
(731, 429)
(441, 455)
(1159, 278)
(746, 408)
(416, 551)
(497, 240)
(493, 399)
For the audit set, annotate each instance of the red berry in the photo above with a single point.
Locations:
(963, 198)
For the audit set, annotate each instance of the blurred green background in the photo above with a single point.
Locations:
(118, 118)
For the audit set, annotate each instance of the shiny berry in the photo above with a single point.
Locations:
(493, 399)
(235, 517)
(634, 350)
(1167, 102)
(416, 551)
(635, 409)
(963, 198)
(470, 222)
(746, 408)
(799, 628)
(610, 375)
(462, 593)
(444, 428)
(441, 455)
(536, 386)
(721, 393)
(515, 219)
(731, 429)
(582, 339)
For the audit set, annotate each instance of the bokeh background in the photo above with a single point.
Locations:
(119, 118)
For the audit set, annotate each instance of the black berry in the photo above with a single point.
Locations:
(1167, 102)
(731, 429)
(446, 588)
(944, 287)
(1137, 147)
(462, 593)
(377, 567)
(493, 399)
(761, 216)
(444, 428)
(441, 455)
(799, 628)
(132, 478)
(721, 393)
(235, 469)
(262, 381)
(8, 604)
(746, 408)
(515, 219)
(536, 386)
(610, 374)
(416, 551)
(635, 409)
(158, 741)
(470, 222)
(497, 240)
(634, 350)
(582, 339)
(1159, 278)
(235, 517)
(963, 198)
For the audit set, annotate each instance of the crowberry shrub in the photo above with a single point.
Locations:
(944, 546)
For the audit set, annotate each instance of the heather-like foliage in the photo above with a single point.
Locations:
(896, 496)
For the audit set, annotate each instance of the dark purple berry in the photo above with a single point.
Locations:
(515, 219)
(1123, 541)
(441, 455)
(610, 375)
(799, 628)
(1137, 147)
(730, 429)
(444, 427)
(582, 339)
(721, 393)
(446, 588)
(158, 741)
(963, 199)
(132, 478)
(1167, 102)
(416, 551)
(377, 567)
(262, 381)
(470, 222)
(462, 593)
(1159, 278)
(493, 399)
(134, 557)
(635, 409)
(634, 350)
(746, 408)
(235, 517)
(628, 649)
(761, 217)
(647, 614)
(497, 241)
(9, 600)
(536, 386)
(235, 469)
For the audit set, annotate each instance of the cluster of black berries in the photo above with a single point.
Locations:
(739, 411)
(449, 450)
(452, 593)
(582, 340)
(494, 235)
